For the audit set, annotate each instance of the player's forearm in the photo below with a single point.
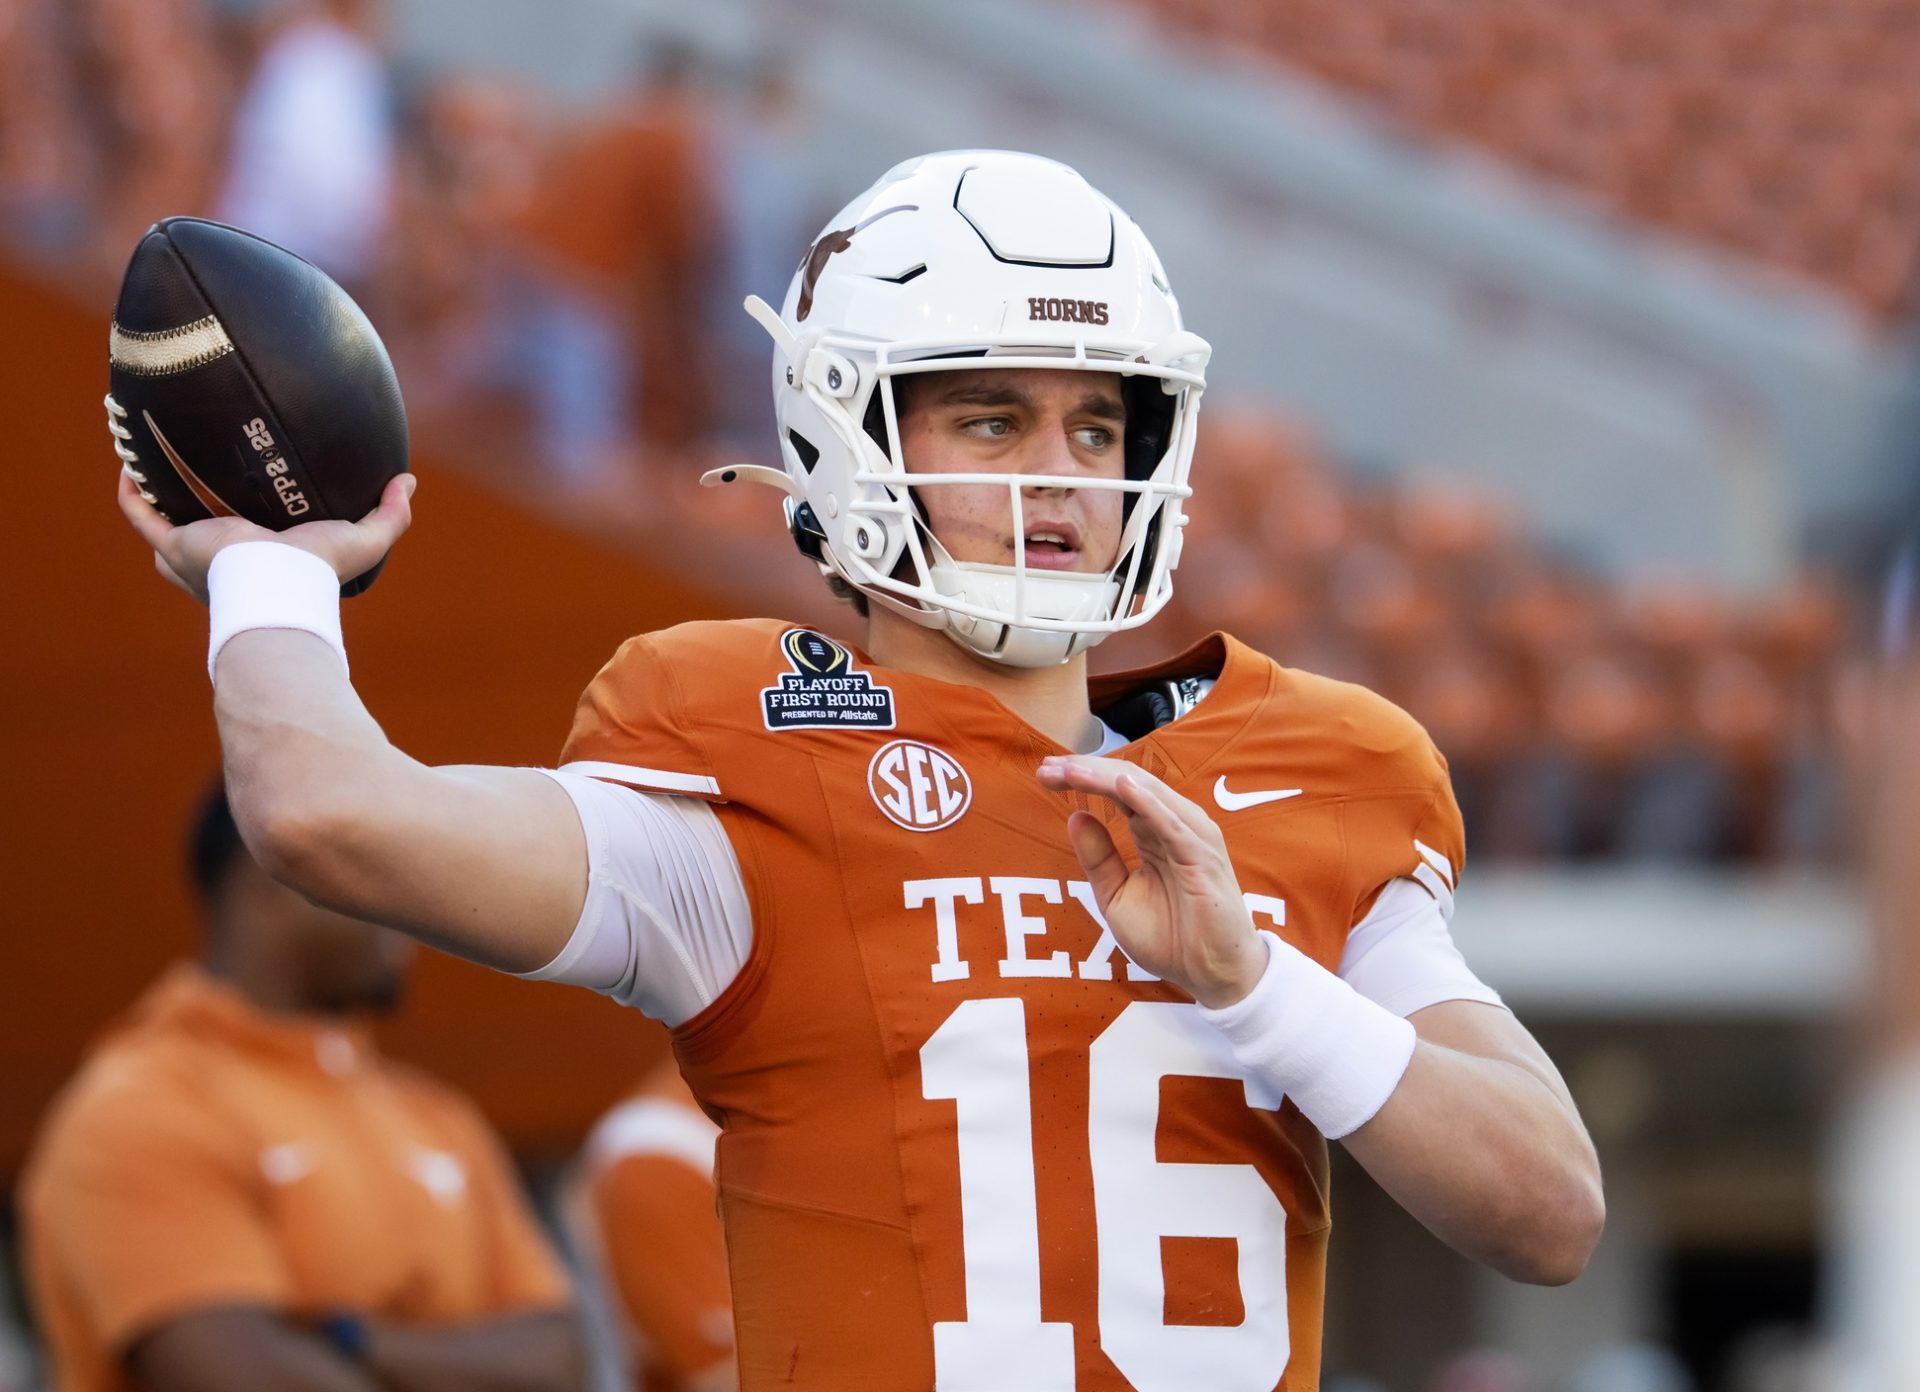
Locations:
(523, 1353)
(1491, 1160)
(306, 765)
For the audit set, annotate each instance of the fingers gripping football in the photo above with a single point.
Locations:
(1179, 912)
(183, 555)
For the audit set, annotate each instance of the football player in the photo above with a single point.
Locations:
(641, 1211)
(1026, 1003)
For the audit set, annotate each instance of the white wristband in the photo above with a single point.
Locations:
(1336, 1054)
(268, 584)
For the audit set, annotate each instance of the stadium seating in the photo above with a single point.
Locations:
(1645, 721)
(1780, 129)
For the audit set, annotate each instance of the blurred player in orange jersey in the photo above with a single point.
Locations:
(1027, 1003)
(644, 1214)
(237, 1191)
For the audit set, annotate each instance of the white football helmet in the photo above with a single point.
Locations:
(978, 258)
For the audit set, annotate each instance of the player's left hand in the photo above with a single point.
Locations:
(1178, 913)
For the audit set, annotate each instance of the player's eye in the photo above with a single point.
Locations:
(1093, 437)
(989, 427)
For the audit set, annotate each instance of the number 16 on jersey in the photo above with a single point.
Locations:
(978, 1059)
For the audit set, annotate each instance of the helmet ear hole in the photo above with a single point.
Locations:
(804, 450)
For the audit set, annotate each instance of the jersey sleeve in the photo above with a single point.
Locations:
(146, 1216)
(652, 1200)
(666, 924)
(1439, 844)
(1412, 831)
(1401, 955)
(1409, 847)
(632, 726)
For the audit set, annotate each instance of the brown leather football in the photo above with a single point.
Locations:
(245, 382)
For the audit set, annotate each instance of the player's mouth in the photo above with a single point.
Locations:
(1052, 546)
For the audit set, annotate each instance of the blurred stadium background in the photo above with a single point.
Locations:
(1565, 386)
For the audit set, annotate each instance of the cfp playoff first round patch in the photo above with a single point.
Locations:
(824, 691)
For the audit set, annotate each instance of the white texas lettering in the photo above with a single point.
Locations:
(1019, 927)
(943, 895)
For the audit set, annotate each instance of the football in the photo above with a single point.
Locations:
(246, 383)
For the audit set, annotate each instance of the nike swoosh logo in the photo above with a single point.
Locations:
(1240, 802)
(208, 498)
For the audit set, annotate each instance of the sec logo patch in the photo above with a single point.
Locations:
(919, 787)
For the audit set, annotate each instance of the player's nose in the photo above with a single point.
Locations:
(1050, 451)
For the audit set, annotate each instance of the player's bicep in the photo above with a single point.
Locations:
(554, 875)
(1490, 1032)
(487, 863)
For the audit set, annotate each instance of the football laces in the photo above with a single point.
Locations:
(122, 446)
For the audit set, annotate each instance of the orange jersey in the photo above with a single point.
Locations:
(966, 1144)
(646, 1212)
(210, 1155)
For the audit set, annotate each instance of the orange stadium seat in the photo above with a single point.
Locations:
(1753, 125)
(1680, 112)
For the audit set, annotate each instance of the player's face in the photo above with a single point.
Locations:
(1019, 421)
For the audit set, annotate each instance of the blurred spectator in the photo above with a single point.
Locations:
(238, 1190)
(313, 152)
(623, 240)
(769, 218)
(454, 280)
(46, 162)
(161, 122)
(646, 1218)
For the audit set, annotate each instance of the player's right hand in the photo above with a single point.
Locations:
(183, 554)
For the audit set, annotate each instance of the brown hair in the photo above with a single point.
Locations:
(842, 590)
